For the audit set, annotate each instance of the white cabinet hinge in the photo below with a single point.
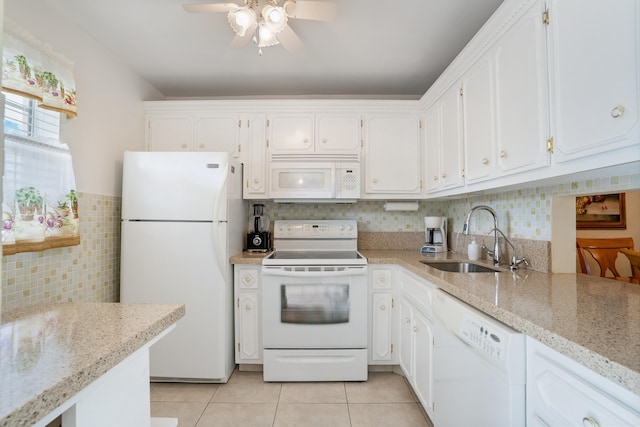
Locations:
(419, 124)
(238, 300)
(239, 148)
(391, 348)
(361, 143)
(267, 143)
(393, 303)
(239, 123)
(248, 123)
(238, 347)
(550, 145)
(267, 122)
(545, 17)
(460, 91)
(361, 123)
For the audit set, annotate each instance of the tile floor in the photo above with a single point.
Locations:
(384, 400)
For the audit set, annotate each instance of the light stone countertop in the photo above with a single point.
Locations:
(49, 352)
(592, 320)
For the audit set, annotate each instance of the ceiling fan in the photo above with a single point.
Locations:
(265, 21)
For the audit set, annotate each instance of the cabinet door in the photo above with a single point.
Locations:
(248, 347)
(423, 376)
(452, 161)
(381, 327)
(522, 111)
(338, 134)
(561, 392)
(594, 76)
(170, 133)
(217, 133)
(479, 132)
(406, 339)
(392, 159)
(432, 129)
(254, 171)
(291, 133)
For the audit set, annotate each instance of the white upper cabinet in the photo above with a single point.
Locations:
(338, 133)
(392, 155)
(505, 102)
(170, 133)
(594, 50)
(217, 133)
(311, 133)
(443, 134)
(479, 120)
(194, 132)
(254, 171)
(522, 102)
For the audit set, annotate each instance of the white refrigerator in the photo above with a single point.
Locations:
(182, 218)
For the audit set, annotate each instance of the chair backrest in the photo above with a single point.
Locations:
(634, 259)
(604, 251)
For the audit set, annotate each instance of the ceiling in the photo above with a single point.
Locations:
(373, 49)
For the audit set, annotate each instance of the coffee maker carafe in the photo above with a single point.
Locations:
(258, 236)
(435, 234)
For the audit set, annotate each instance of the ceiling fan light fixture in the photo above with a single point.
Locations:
(241, 20)
(275, 18)
(266, 37)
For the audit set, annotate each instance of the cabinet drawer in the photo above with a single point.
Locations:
(417, 291)
(248, 279)
(381, 279)
(563, 392)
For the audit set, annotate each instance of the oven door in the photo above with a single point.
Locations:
(314, 307)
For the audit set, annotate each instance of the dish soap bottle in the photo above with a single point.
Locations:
(473, 250)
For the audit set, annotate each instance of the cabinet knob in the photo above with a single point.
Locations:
(201, 145)
(256, 181)
(407, 320)
(503, 154)
(324, 140)
(247, 307)
(415, 329)
(247, 279)
(184, 145)
(306, 140)
(435, 177)
(444, 175)
(382, 279)
(617, 111)
(590, 422)
(485, 161)
(383, 307)
(374, 180)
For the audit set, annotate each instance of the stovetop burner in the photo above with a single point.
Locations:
(324, 242)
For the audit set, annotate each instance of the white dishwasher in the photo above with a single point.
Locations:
(479, 367)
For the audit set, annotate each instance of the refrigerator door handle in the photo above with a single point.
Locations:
(217, 241)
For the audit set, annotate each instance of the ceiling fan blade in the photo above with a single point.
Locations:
(311, 9)
(290, 40)
(209, 7)
(239, 41)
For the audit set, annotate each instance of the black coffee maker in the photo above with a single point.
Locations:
(258, 237)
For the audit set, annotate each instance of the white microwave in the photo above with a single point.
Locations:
(314, 178)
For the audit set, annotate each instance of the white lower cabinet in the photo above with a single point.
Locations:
(248, 323)
(562, 392)
(416, 337)
(382, 315)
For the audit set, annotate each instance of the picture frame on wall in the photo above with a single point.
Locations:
(602, 211)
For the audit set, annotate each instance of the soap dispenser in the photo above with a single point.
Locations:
(474, 250)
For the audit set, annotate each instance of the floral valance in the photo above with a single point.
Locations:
(31, 69)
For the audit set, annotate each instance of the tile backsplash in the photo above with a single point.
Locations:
(88, 272)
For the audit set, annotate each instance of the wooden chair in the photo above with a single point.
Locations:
(604, 251)
(634, 259)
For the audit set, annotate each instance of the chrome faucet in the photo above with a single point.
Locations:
(515, 261)
(495, 253)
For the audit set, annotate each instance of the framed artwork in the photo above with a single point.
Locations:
(602, 211)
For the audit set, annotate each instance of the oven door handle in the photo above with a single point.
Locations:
(285, 273)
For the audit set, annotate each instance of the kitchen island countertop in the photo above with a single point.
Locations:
(51, 351)
(591, 320)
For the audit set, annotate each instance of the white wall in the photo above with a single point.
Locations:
(110, 115)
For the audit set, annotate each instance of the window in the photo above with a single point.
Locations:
(39, 209)
(22, 117)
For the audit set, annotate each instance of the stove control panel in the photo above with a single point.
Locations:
(321, 229)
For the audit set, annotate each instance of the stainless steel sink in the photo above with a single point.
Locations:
(460, 267)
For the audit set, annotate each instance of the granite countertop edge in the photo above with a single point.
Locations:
(45, 402)
(582, 352)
